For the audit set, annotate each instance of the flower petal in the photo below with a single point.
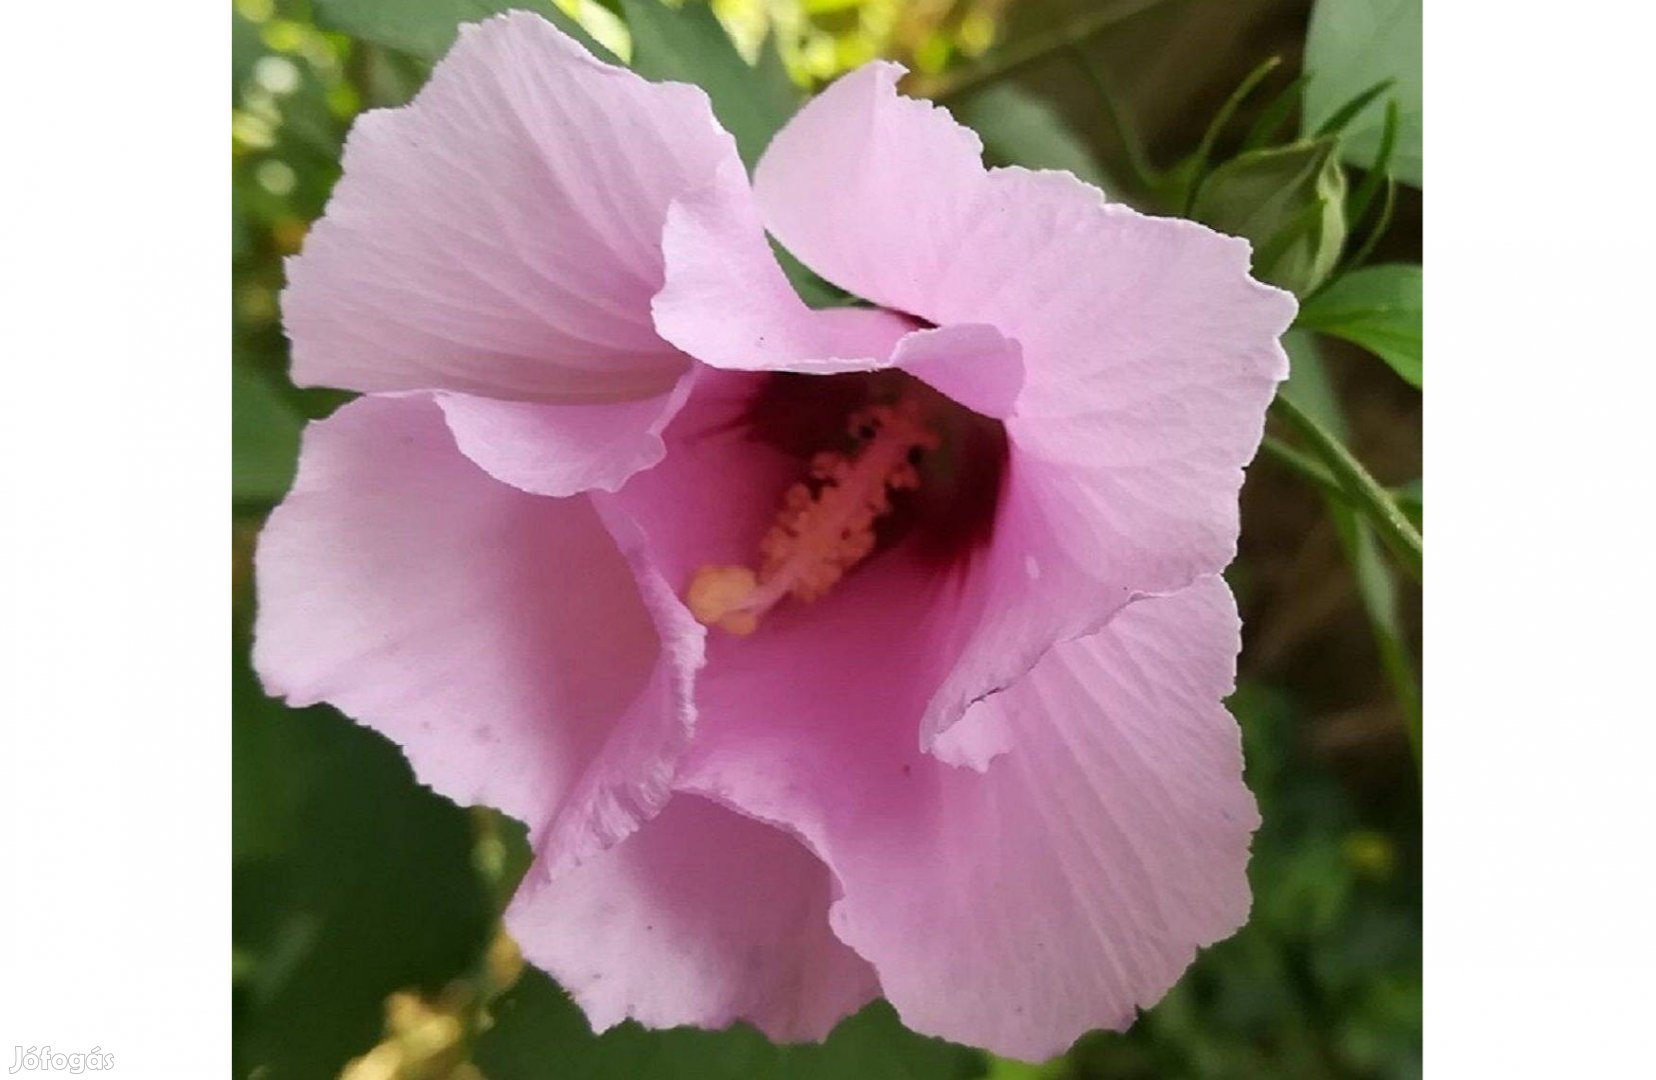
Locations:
(562, 450)
(874, 191)
(970, 362)
(703, 917)
(1115, 311)
(727, 303)
(1149, 354)
(503, 640)
(1059, 891)
(501, 234)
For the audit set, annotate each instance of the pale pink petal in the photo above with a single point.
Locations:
(727, 303)
(888, 197)
(562, 449)
(716, 491)
(970, 362)
(503, 640)
(875, 192)
(1149, 354)
(501, 235)
(702, 917)
(1059, 891)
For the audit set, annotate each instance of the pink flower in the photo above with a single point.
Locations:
(952, 733)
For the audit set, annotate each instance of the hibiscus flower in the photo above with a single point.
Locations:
(827, 654)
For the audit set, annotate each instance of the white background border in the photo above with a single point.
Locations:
(1541, 449)
(1540, 472)
(114, 536)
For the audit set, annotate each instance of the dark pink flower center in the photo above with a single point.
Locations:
(884, 459)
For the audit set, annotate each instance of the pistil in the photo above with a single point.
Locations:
(826, 523)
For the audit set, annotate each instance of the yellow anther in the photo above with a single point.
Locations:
(826, 526)
(717, 595)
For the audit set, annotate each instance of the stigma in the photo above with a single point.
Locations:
(826, 522)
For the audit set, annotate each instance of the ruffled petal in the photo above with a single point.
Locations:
(1117, 312)
(518, 653)
(501, 235)
(875, 192)
(970, 362)
(727, 303)
(1059, 891)
(561, 450)
(703, 917)
(714, 494)
(1149, 355)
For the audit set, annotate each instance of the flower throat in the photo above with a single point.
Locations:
(826, 524)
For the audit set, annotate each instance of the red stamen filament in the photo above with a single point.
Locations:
(822, 530)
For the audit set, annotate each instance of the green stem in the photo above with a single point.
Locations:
(1380, 171)
(1204, 149)
(1310, 470)
(1011, 60)
(1363, 490)
(1377, 588)
(1303, 465)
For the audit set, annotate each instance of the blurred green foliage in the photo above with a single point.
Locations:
(539, 1032)
(1379, 308)
(352, 882)
(1353, 44)
(1290, 200)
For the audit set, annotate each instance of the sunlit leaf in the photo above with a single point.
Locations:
(1019, 128)
(427, 28)
(687, 44)
(1351, 46)
(1377, 307)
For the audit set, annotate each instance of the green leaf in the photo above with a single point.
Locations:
(246, 46)
(1377, 307)
(539, 1034)
(264, 438)
(427, 28)
(1021, 128)
(687, 44)
(349, 879)
(1411, 497)
(1351, 46)
(811, 288)
(1290, 202)
(1346, 113)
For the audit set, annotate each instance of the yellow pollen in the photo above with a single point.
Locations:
(826, 526)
